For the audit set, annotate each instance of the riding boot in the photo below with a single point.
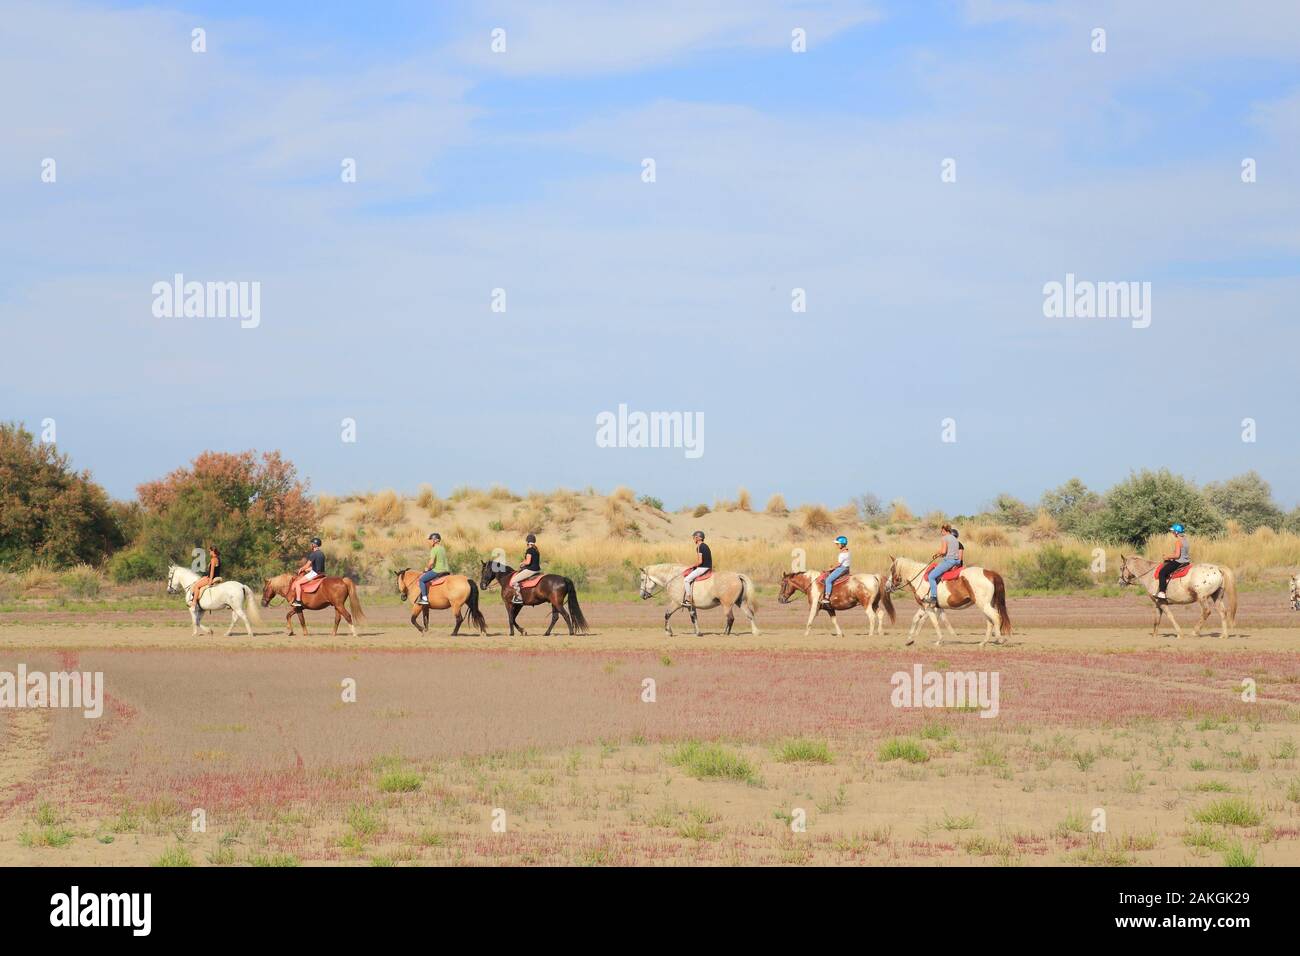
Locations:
(519, 595)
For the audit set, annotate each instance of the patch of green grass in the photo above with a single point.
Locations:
(400, 781)
(363, 820)
(1084, 759)
(1074, 822)
(1230, 811)
(1213, 786)
(1204, 839)
(900, 748)
(950, 823)
(1238, 855)
(174, 856)
(712, 761)
(935, 731)
(803, 750)
(273, 859)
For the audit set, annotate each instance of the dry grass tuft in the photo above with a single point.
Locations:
(384, 509)
(776, 506)
(1043, 527)
(816, 518)
(900, 513)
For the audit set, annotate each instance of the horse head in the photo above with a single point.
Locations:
(486, 575)
(401, 582)
(172, 587)
(648, 584)
(268, 592)
(1126, 575)
(788, 586)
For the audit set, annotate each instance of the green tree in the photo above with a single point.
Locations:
(1247, 499)
(1148, 502)
(255, 510)
(50, 514)
(1074, 506)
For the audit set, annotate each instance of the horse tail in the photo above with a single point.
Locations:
(1000, 600)
(475, 615)
(882, 597)
(357, 614)
(575, 612)
(1230, 596)
(251, 606)
(746, 597)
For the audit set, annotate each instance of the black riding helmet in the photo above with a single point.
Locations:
(531, 539)
(316, 541)
(697, 534)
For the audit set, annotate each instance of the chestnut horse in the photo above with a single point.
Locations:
(333, 592)
(552, 589)
(454, 591)
(865, 589)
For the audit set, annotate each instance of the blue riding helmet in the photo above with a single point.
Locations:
(841, 541)
(1176, 528)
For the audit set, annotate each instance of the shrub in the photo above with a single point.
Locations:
(1147, 502)
(711, 760)
(743, 500)
(1011, 511)
(1051, 569)
(50, 514)
(903, 749)
(384, 509)
(651, 502)
(817, 519)
(1072, 505)
(1246, 499)
(776, 506)
(700, 511)
(1043, 527)
(869, 507)
(133, 564)
(83, 582)
(803, 750)
(900, 513)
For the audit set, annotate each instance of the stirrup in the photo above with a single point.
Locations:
(298, 604)
(422, 600)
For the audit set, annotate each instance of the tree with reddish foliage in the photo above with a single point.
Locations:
(49, 514)
(254, 509)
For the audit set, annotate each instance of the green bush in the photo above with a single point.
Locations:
(650, 501)
(1146, 503)
(82, 582)
(1052, 568)
(133, 564)
(577, 573)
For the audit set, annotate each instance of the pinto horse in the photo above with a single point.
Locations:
(332, 592)
(970, 586)
(1209, 585)
(553, 589)
(453, 591)
(851, 590)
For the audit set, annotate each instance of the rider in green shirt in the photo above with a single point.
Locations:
(436, 568)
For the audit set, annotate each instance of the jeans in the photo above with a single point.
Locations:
(426, 577)
(833, 577)
(940, 569)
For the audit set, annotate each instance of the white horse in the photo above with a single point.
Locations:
(722, 587)
(238, 597)
(1209, 585)
(973, 585)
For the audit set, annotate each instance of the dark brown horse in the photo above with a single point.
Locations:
(454, 591)
(553, 589)
(333, 592)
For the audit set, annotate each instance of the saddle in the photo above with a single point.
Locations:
(310, 587)
(703, 577)
(1180, 573)
(532, 582)
(839, 582)
(950, 575)
(436, 581)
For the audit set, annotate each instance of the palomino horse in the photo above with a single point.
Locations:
(333, 592)
(552, 589)
(238, 597)
(721, 587)
(973, 585)
(1206, 584)
(453, 591)
(865, 589)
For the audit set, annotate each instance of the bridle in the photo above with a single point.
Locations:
(891, 587)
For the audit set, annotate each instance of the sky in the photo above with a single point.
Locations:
(923, 368)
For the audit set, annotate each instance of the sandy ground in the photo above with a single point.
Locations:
(500, 750)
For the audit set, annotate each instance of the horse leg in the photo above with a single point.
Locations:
(1178, 631)
(753, 624)
(234, 619)
(459, 611)
(916, 624)
(836, 621)
(555, 616)
(731, 619)
(415, 618)
(1155, 627)
(813, 608)
(288, 619)
(302, 619)
(567, 620)
(669, 613)
(935, 617)
(342, 609)
(1205, 616)
(695, 620)
(337, 617)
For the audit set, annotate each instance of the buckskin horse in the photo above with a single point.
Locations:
(960, 588)
(717, 587)
(1209, 585)
(553, 589)
(453, 591)
(849, 591)
(330, 592)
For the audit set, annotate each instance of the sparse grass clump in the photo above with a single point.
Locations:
(384, 509)
(174, 856)
(903, 749)
(1230, 811)
(776, 506)
(711, 761)
(803, 750)
(400, 781)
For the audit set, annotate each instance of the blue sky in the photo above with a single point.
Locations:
(775, 170)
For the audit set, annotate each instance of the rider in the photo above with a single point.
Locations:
(703, 565)
(1180, 558)
(212, 577)
(311, 568)
(840, 570)
(948, 557)
(530, 566)
(436, 568)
